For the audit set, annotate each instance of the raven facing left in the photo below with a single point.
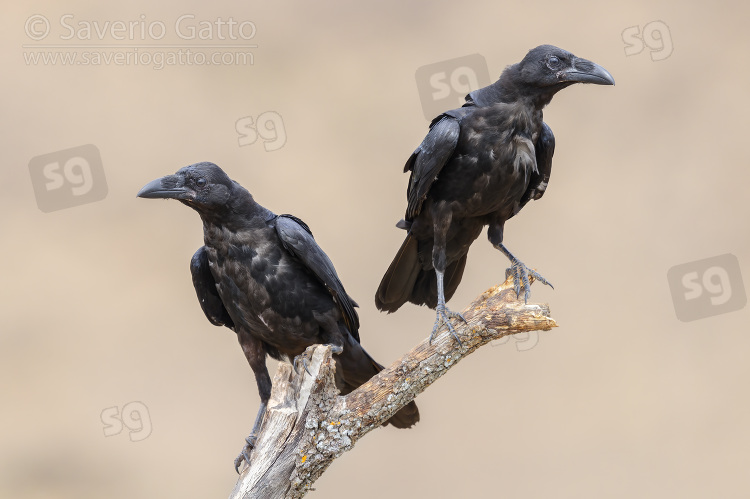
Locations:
(264, 276)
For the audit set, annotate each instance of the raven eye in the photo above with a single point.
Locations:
(553, 62)
(201, 182)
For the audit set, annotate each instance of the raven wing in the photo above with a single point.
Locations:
(205, 288)
(298, 240)
(429, 158)
(545, 148)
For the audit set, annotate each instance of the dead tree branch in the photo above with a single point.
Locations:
(308, 424)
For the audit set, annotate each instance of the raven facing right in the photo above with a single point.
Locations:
(478, 166)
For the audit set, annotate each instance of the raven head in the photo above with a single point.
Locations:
(541, 74)
(202, 186)
(548, 66)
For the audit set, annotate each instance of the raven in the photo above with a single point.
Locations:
(264, 276)
(479, 165)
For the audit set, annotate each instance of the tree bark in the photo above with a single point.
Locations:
(308, 424)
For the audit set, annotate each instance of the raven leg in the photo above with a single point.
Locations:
(439, 263)
(517, 268)
(256, 357)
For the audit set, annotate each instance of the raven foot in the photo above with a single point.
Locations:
(335, 350)
(443, 316)
(245, 454)
(521, 274)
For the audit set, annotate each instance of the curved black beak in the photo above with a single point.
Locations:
(169, 187)
(585, 71)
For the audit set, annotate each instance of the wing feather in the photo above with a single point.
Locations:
(428, 159)
(298, 240)
(545, 149)
(205, 288)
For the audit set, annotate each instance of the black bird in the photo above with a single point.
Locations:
(264, 276)
(479, 165)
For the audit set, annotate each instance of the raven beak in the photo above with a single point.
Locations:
(169, 187)
(584, 71)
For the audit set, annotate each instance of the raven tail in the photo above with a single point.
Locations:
(424, 291)
(398, 282)
(406, 280)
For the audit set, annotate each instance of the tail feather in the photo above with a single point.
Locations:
(424, 291)
(406, 280)
(453, 275)
(398, 282)
(406, 417)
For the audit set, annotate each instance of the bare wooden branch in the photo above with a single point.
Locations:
(308, 424)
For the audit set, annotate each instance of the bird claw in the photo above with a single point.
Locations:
(335, 350)
(521, 273)
(245, 453)
(443, 315)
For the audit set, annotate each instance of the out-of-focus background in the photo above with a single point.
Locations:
(115, 385)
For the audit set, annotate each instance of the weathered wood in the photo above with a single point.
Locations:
(308, 424)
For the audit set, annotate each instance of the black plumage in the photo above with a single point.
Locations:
(264, 276)
(478, 166)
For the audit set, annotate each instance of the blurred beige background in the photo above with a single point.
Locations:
(622, 400)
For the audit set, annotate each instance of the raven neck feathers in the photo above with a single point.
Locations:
(239, 212)
(511, 88)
